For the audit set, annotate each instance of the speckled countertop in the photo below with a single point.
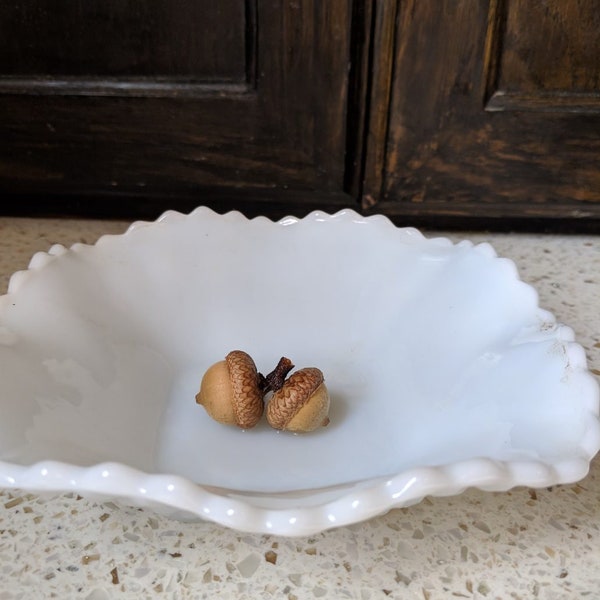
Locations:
(542, 544)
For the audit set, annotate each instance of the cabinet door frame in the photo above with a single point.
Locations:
(274, 143)
(412, 177)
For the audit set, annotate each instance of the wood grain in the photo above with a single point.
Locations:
(197, 39)
(445, 112)
(551, 46)
(552, 67)
(447, 156)
(103, 131)
(384, 32)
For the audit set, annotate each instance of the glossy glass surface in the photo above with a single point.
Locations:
(443, 370)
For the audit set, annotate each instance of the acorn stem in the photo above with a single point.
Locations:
(276, 378)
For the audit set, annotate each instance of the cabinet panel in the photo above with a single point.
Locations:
(552, 66)
(550, 46)
(213, 123)
(196, 39)
(486, 127)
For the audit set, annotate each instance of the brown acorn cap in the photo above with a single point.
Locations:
(247, 399)
(294, 394)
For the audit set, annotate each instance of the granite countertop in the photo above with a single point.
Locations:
(542, 544)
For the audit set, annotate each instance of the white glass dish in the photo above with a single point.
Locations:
(444, 372)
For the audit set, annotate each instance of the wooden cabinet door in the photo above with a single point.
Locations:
(122, 107)
(494, 113)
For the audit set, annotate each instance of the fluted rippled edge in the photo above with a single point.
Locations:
(178, 497)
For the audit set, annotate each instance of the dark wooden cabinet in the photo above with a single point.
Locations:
(451, 112)
(115, 105)
(493, 113)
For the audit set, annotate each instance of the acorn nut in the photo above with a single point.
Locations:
(231, 391)
(301, 404)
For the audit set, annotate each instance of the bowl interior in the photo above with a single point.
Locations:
(432, 352)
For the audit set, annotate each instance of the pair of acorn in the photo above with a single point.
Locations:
(233, 392)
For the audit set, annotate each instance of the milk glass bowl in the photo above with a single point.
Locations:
(443, 371)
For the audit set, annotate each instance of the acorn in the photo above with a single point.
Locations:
(301, 404)
(232, 391)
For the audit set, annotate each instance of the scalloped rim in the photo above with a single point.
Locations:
(375, 497)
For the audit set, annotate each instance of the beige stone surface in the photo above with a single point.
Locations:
(541, 544)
